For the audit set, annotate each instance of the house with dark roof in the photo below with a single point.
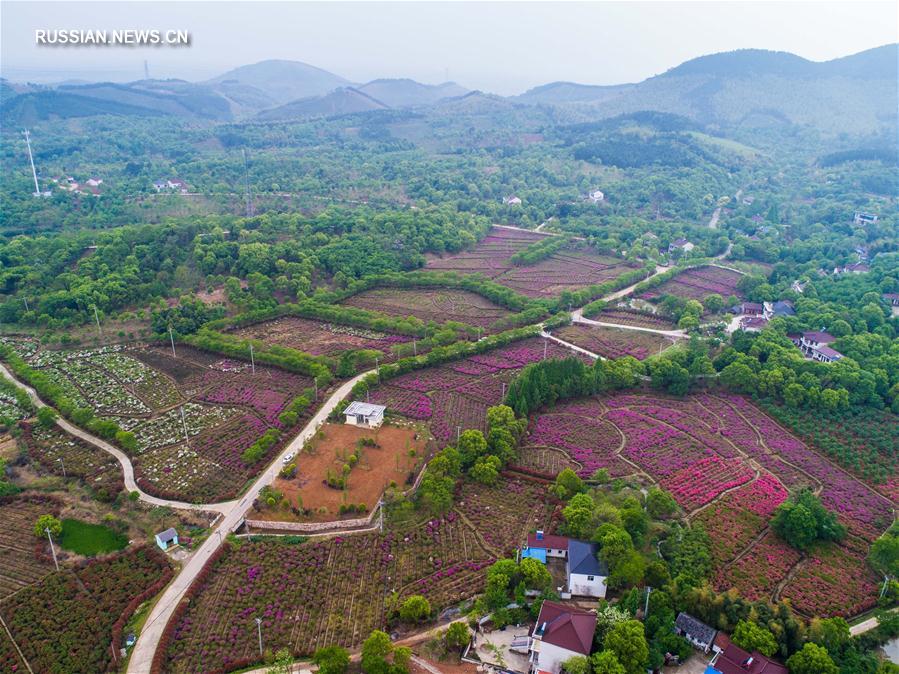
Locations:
(734, 660)
(814, 340)
(892, 298)
(586, 573)
(825, 354)
(167, 538)
(680, 244)
(779, 309)
(695, 631)
(561, 632)
(748, 309)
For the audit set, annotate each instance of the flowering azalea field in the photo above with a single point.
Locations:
(456, 395)
(429, 304)
(698, 283)
(728, 465)
(635, 318)
(318, 337)
(571, 268)
(613, 342)
(72, 621)
(834, 580)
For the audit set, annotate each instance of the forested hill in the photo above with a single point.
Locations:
(752, 88)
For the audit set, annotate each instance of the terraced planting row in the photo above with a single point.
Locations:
(570, 268)
(635, 318)
(319, 338)
(613, 342)
(20, 566)
(699, 283)
(456, 395)
(437, 305)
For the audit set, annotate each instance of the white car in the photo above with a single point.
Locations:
(288, 458)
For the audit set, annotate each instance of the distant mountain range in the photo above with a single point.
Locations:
(746, 88)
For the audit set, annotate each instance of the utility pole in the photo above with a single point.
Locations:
(381, 515)
(458, 433)
(378, 369)
(97, 318)
(646, 606)
(25, 299)
(52, 549)
(63, 466)
(545, 343)
(504, 391)
(246, 170)
(252, 359)
(37, 189)
(172, 340)
(259, 629)
(414, 347)
(315, 384)
(184, 426)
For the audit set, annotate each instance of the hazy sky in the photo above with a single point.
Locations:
(504, 47)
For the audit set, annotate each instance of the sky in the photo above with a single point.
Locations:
(501, 47)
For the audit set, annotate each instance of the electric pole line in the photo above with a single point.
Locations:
(37, 189)
(259, 629)
(52, 549)
(184, 426)
(63, 463)
(246, 170)
(252, 359)
(172, 339)
(97, 318)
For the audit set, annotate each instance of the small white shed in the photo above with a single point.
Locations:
(364, 414)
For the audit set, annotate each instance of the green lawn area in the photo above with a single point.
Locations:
(90, 539)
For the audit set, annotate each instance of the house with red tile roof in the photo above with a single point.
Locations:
(561, 632)
(734, 660)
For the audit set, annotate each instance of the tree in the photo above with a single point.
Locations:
(567, 484)
(812, 659)
(578, 515)
(331, 659)
(607, 663)
(375, 653)
(802, 519)
(486, 470)
(282, 663)
(628, 642)
(435, 493)
(884, 554)
(457, 635)
(831, 633)
(577, 664)
(415, 609)
(536, 575)
(752, 637)
(471, 446)
(46, 416)
(45, 522)
(660, 504)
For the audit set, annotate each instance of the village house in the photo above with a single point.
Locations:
(560, 633)
(779, 309)
(596, 196)
(680, 244)
(892, 298)
(171, 184)
(825, 354)
(731, 659)
(585, 574)
(748, 309)
(365, 415)
(798, 286)
(862, 218)
(695, 631)
(512, 201)
(94, 182)
(753, 323)
(854, 268)
(166, 539)
(814, 345)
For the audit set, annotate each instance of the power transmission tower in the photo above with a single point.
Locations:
(246, 171)
(37, 189)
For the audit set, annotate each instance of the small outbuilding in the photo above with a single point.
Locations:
(365, 415)
(167, 539)
(695, 631)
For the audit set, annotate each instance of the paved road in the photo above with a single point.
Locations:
(713, 221)
(865, 626)
(144, 649)
(121, 457)
(577, 316)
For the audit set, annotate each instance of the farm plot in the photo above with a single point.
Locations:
(832, 581)
(614, 342)
(334, 591)
(455, 396)
(592, 443)
(192, 415)
(635, 318)
(504, 514)
(319, 338)
(571, 268)
(58, 452)
(758, 573)
(19, 565)
(437, 305)
(9, 407)
(699, 283)
(65, 623)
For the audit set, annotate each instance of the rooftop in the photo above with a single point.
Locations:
(566, 627)
(168, 535)
(695, 627)
(365, 409)
(547, 541)
(830, 353)
(734, 660)
(582, 559)
(820, 337)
